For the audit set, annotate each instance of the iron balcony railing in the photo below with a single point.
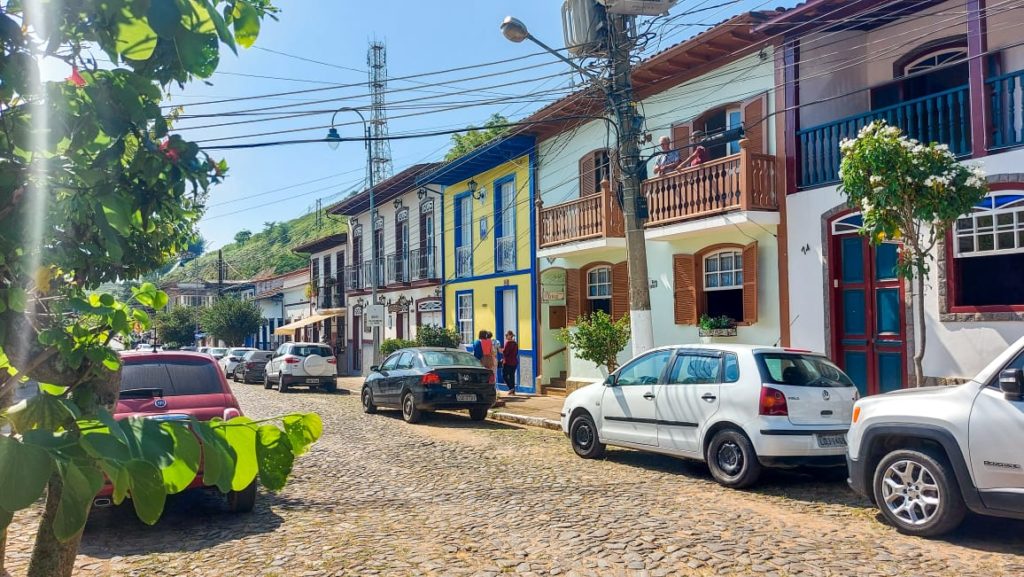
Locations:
(398, 268)
(505, 259)
(354, 279)
(421, 264)
(463, 261)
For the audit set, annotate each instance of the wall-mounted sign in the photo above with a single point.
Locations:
(374, 315)
(398, 308)
(483, 227)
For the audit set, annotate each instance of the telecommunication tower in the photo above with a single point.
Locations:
(380, 149)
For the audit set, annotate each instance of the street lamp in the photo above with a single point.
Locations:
(515, 31)
(333, 140)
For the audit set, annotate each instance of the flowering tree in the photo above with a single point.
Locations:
(910, 193)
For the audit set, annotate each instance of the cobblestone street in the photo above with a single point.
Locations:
(452, 497)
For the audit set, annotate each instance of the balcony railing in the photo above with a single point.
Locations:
(368, 273)
(505, 259)
(944, 117)
(354, 278)
(463, 261)
(1007, 109)
(421, 264)
(398, 268)
(744, 181)
(325, 298)
(590, 217)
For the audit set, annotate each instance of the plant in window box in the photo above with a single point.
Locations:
(721, 326)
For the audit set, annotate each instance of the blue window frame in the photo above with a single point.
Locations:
(505, 224)
(464, 235)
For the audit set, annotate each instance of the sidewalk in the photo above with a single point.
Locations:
(531, 410)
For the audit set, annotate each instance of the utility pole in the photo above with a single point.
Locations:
(220, 272)
(620, 96)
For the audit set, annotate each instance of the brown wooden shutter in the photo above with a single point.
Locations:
(754, 125)
(681, 137)
(620, 290)
(613, 169)
(685, 282)
(587, 172)
(573, 294)
(750, 283)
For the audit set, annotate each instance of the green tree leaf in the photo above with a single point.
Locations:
(275, 457)
(181, 471)
(303, 430)
(146, 490)
(218, 457)
(246, 23)
(80, 484)
(135, 39)
(41, 411)
(24, 471)
(241, 436)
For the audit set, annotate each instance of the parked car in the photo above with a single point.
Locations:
(217, 352)
(306, 364)
(252, 369)
(422, 379)
(926, 456)
(175, 385)
(737, 407)
(144, 347)
(204, 350)
(229, 362)
(188, 348)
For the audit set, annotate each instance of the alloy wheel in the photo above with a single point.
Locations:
(910, 492)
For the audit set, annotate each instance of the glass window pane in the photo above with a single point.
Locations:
(712, 281)
(739, 277)
(1005, 219)
(726, 261)
(985, 242)
(966, 244)
(1005, 240)
(985, 221)
(711, 264)
(726, 279)
(965, 224)
(645, 370)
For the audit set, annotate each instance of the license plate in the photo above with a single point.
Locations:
(831, 441)
(312, 381)
(465, 398)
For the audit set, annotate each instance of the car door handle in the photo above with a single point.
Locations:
(648, 396)
(708, 397)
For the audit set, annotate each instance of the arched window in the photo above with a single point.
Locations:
(599, 289)
(935, 58)
(988, 253)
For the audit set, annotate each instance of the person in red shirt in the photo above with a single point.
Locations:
(700, 154)
(510, 361)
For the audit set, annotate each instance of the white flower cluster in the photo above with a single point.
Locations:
(977, 177)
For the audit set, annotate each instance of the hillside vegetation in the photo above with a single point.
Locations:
(265, 253)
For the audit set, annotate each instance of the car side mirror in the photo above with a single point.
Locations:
(609, 381)
(1011, 382)
(375, 368)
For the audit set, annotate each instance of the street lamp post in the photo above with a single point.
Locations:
(334, 140)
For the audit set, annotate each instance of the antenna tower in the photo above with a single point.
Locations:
(377, 62)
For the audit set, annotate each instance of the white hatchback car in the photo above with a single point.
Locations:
(737, 407)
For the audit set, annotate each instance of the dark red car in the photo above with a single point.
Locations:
(176, 385)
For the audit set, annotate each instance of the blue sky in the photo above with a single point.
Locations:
(421, 37)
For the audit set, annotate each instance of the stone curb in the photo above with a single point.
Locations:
(526, 420)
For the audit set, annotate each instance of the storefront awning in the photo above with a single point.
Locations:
(288, 329)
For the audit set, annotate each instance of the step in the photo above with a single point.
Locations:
(555, 391)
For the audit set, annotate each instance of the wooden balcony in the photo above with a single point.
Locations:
(744, 181)
(590, 217)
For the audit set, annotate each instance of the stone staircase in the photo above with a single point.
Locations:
(556, 388)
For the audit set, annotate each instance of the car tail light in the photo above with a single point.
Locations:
(773, 403)
(231, 413)
(250, 365)
(332, 361)
(290, 360)
(490, 378)
(430, 378)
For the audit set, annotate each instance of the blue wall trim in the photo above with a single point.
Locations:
(489, 276)
(444, 274)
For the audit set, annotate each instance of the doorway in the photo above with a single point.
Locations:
(868, 309)
(357, 343)
(506, 317)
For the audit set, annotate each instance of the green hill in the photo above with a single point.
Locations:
(267, 252)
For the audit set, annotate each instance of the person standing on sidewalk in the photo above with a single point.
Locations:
(510, 361)
(483, 350)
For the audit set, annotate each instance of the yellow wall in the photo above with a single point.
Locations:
(483, 250)
(484, 306)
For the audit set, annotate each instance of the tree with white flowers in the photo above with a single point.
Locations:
(911, 193)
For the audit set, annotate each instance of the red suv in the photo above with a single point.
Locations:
(176, 385)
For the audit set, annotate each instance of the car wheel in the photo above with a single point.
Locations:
(282, 386)
(732, 459)
(367, 397)
(266, 381)
(584, 438)
(410, 412)
(330, 387)
(478, 413)
(918, 493)
(242, 501)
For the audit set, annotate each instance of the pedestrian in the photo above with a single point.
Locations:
(483, 350)
(510, 361)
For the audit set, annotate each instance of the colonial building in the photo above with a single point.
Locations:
(712, 225)
(326, 323)
(947, 72)
(489, 243)
(281, 299)
(406, 230)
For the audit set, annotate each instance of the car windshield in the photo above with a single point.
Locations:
(801, 370)
(237, 352)
(449, 358)
(307, 350)
(217, 351)
(172, 377)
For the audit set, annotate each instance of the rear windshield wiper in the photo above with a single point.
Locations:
(142, 393)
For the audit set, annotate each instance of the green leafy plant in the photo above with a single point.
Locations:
(597, 338)
(710, 323)
(243, 236)
(910, 193)
(231, 319)
(435, 336)
(177, 325)
(391, 345)
(466, 142)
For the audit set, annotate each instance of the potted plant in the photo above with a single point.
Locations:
(710, 327)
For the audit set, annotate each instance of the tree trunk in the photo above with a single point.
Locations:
(922, 336)
(3, 551)
(50, 557)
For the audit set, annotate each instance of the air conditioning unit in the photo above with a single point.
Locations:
(583, 24)
(638, 7)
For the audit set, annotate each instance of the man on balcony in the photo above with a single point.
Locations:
(669, 159)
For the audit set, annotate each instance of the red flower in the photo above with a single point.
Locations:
(76, 78)
(168, 152)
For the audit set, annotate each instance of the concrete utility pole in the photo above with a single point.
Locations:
(620, 96)
(220, 272)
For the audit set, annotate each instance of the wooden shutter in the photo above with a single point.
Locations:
(681, 137)
(587, 172)
(754, 124)
(620, 290)
(613, 169)
(750, 283)
(573, 294)
(685, 281)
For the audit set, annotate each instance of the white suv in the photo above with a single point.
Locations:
(926, 456)
(306, 364)
(737, 407)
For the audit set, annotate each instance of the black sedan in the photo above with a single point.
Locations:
(252, 367)
(429, 378)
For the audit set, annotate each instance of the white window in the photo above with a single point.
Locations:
(599, 283)
(995, 227)
(723, 270)
(464, 316)
(936, 59)
(508, 208)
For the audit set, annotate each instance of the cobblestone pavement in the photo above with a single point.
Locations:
(452, 497)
